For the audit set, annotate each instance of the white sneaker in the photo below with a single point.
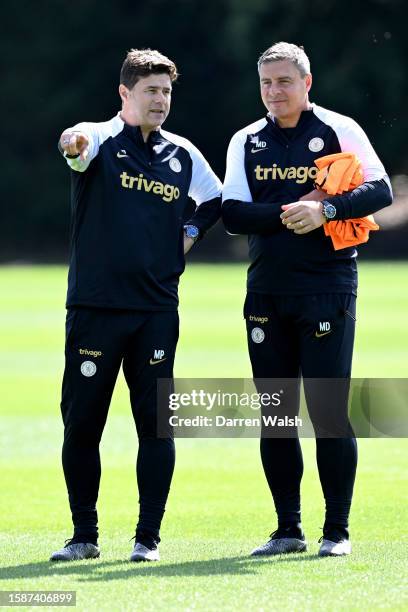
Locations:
(334, 549)
(142, 553)
(280, 545)
(76, 552)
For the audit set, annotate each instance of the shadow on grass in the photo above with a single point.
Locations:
(101, 571)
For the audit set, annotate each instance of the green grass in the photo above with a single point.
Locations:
(219, 506)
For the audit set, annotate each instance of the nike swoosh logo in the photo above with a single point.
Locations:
(122, 155)
(155, 361)
(323, 334)
(257, 150)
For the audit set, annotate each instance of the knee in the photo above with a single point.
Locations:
(82, 431)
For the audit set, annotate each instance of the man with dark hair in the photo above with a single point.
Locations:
(131, 183)
(142, 63)
(301, 293)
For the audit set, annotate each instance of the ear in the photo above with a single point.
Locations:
(123, 92)
(308, 81)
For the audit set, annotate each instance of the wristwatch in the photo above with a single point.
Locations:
(329, 210)
(191, 231)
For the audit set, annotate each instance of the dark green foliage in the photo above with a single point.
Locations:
(60, 64)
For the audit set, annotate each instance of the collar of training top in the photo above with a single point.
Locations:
(135, 133)
(305, 117)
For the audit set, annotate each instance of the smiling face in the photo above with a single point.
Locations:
(147, 104)
(284, 91)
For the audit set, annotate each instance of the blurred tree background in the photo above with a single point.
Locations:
(60, 64)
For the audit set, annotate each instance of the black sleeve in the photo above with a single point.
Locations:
(206, 215)
(250, 218)
(362, 201)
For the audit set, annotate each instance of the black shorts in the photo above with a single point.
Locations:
(98, 342)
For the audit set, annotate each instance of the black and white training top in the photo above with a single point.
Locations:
(268, 166)
(129, 200)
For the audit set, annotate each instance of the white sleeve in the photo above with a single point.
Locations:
(205, 184)
(235, 183)
(353, 139)
(89, 129)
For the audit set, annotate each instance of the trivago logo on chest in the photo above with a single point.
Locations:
(167, 192)
(298, 173)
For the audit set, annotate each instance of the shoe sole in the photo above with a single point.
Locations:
(142, 560)
(67, 560)
(328, 554)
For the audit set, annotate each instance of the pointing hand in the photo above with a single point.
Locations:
(75, 143)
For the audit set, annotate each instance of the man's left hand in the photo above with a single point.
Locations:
(303, 217)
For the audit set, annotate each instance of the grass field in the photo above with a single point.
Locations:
(219, 507)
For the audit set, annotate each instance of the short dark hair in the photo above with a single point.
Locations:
(140, 63)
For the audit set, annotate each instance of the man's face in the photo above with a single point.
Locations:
(283, 89)
(148, 102)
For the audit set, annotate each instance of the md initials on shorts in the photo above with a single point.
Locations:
(324, 326)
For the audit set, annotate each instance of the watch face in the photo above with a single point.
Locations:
(191, 231)
(329, 211)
